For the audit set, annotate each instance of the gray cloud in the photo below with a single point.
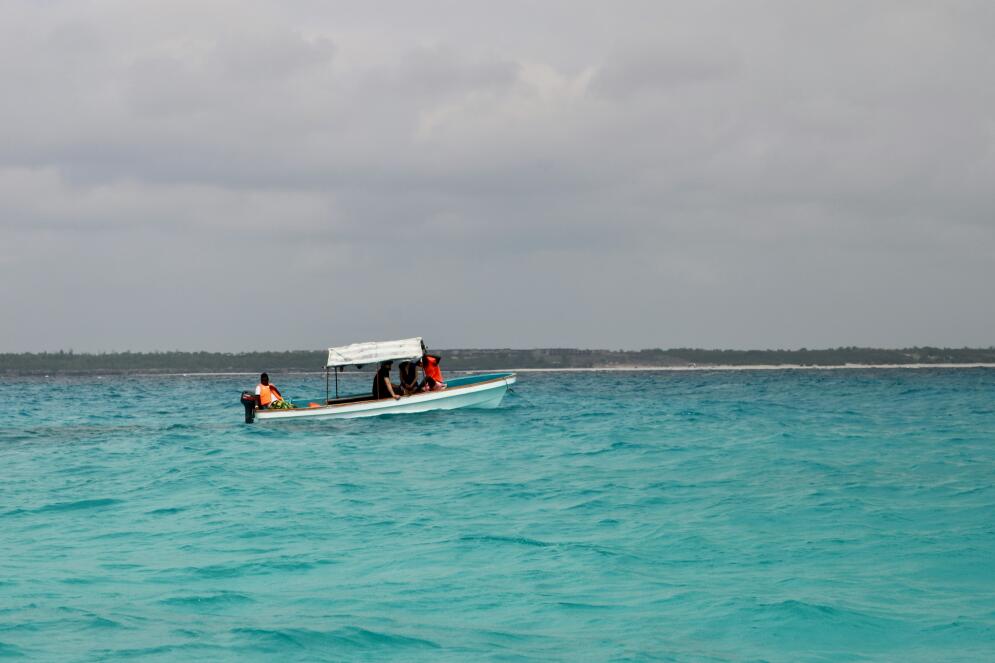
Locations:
(657, 71)
(656, 174)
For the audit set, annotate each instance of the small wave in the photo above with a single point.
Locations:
(572, 605)
(973, 491)
(254, 568)
(90, 619)
(587, 504)
(65, 506)
(520, 540)
(144, 653)
(351, 636)
(80, 504)
(816, 612)
(593, 452)
(103, 622)
(168, 511)
(614, 446)
(10, 651)
(220, 599)
(179, 426)
(79, 581)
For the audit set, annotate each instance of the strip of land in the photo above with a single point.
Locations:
(72, 363)
(756, 367)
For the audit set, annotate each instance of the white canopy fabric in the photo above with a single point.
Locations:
(374, 352)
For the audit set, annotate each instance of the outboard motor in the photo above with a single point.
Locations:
(249, 403)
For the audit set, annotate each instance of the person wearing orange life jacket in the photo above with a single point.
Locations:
(266, 393)
(433, 374)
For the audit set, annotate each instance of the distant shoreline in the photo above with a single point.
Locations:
(596, 369)
(468, 359)
(754, 367)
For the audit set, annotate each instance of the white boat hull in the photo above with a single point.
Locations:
(485, 394)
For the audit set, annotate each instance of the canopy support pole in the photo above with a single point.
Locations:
(326, 385)
(336, 382)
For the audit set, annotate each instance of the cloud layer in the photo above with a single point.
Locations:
(249, 175)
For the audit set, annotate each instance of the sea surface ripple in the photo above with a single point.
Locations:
(697, 516)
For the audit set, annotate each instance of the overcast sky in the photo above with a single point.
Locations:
(278, 175)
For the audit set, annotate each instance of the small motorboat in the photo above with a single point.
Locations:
(480, 391)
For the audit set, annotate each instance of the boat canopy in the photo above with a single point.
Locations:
(373, 352)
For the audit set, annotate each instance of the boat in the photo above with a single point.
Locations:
(479, 391)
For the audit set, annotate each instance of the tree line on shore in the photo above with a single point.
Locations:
(75, 363)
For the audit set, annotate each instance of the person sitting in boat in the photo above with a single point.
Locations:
(382, 386)
(409, 378)
(433, 374)
(266, 393)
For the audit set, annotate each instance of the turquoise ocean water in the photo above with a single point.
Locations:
(705, 516)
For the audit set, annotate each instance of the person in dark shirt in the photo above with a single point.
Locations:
(382, 386)
(409, 378)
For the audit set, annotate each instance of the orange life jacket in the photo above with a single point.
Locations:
(266, 395)
(431, 368)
